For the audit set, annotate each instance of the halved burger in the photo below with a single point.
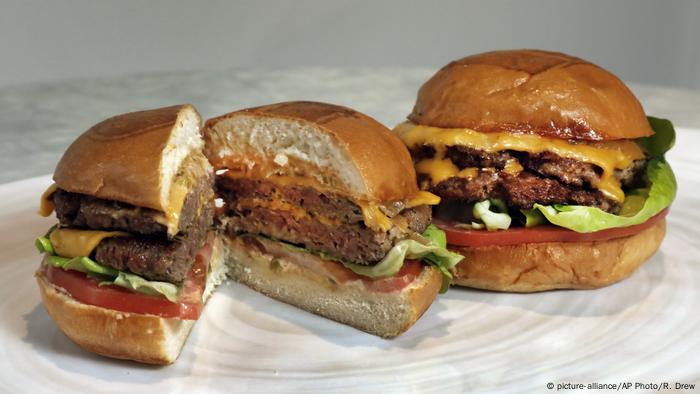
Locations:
(550, 174)
(322, 211)
(128, 267)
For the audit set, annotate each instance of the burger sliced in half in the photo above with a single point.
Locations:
(550, 174)
(128, 267)
(322, 210)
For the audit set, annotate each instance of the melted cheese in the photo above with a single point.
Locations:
(422, 198)
(439, 169)
(468, 173)
(178, 193)
(374, 217)
(75, 243)
(277, 205)
(512, 167)
(608, 155)
(46, 205)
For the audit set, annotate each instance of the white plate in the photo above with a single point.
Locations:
(645, 329)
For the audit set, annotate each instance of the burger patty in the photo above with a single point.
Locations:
(85, 211)
(520, 191)
(325, 222)
(546, 178)
(156, 258)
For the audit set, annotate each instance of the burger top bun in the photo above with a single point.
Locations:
(336, 147)
(133, 157)
(531, 91)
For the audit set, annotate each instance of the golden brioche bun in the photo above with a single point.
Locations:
(335, 147)
(531, 91)
(132, 157)
(139, 337)
(385, 314)
(148, 339)
(532, 267)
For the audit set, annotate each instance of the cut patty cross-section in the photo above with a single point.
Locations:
(322, 222)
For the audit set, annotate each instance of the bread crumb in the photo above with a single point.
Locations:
(281, 159)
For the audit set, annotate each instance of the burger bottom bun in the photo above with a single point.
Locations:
(130, 336)
(385, 314)
(144, 338)
(532, 267)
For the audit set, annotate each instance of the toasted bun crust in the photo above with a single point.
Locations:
(336, 147)
(531, 91)
(132, 157)
(129, 336)
(144, 338)
(385, 314)
(535, 267)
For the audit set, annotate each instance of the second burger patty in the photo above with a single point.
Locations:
(147, 252)
(156, 258)
(546, 178)
(323, 222)
(85, 211)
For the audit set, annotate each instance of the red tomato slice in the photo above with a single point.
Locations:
(538, 234)
(335, 270)
(408, 273)
(87, 290)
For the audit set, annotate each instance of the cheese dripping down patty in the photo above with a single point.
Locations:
(608, 155)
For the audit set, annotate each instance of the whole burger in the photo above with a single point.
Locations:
(320, 210)
(131, 261)
(550, 174)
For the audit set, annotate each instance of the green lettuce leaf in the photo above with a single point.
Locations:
(434, 253)
(588, 219)
(663, 139)
(82, 264)
(435, 235)
(44, 245)
(639, 205)
(533, 217)
(144, 286)
(108, 275)
(493, 213)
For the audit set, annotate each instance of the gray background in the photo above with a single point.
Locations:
(643, 41)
